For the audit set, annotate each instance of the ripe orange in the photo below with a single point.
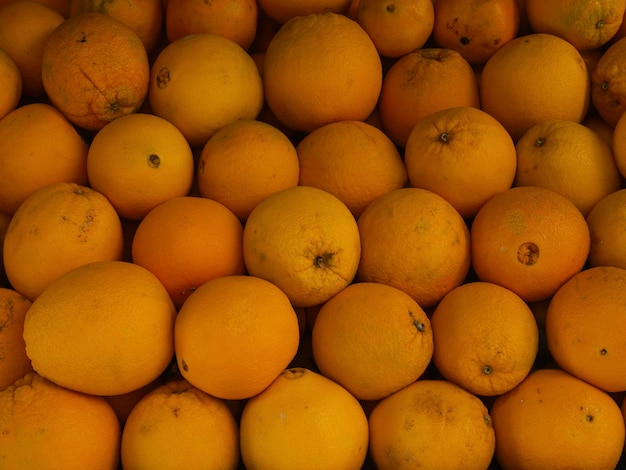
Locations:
(534, 78)
(398, 27)
(423, 82)
(607, 226)
(608, 93)
(139, 161)
(431, 424)
(45, 426)
(95, 69)
(414, 240)
(244, 162)
(586, 24)
(554, 420)
(235, 335)
(186, 241)
(203, 82)
(321, 68)
(486, 338)
(304, 240)
(372, 339)
(104, 328)
(38, 146)
(283, 10)
(568, 158)
(530, 240)
(618, 145)
(475, 28)
(353, 160)
(463, 154)
(178, 426)
(14, 363)
(11, 79)
(303, 420)
(56, 229)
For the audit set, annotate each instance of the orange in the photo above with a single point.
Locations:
(304, 240)
(554, 420)
(203, 82)
(585, 327)
(529, 239)
(178, 426)
(244, 162)
(56, 229)
(604, 130)
(12, 84)
(14, 363)
(353, 160)
(423, 82)
(47, 427)
(568, 158)
(38, 146)
(372, 339)
(608, 92)
(397, 27)
(486, 338)
(306, 421)
(104, 328)
(235, 20)
(139, 161)
(235, 335)
(25, 27)
(321, 68)
(186, 241)
(619, 145)
(475, 28)
(431, 424)
(463, 154)
(123, 403)
(534, 78)
(414, 240)
(607, 226)
(283, 10)
(144, 17)
(62, 6)
(586, 24)
(95, 69)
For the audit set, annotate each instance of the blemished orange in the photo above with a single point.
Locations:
(353, 160)
(115, 333)
(306, 421)
(414, 240)
(554, 420)
(321, 68)
(607, 227)
(235, 20)
(235, 335)
(529, 239)
(144, 17)
(608, 92)
(618, 145)
(56, 229)
(304, 240)
(372, 339)
(95, 69)
(244, 162)
(283, 10)
(177, 425)
(139, 161)
(585, 327)
(568, 158)
(14, 363)
(423, 82)
(586, 24)
(475, 28)
(486, 338)
(25, 27)
(11, 78)
(202, 82)
(432, 424)
(38, 146)
(48, 427)
(186, 241)
(463, 154)
(397, 27)
(534, 78)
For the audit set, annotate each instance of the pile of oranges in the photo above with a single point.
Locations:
(276, 234)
